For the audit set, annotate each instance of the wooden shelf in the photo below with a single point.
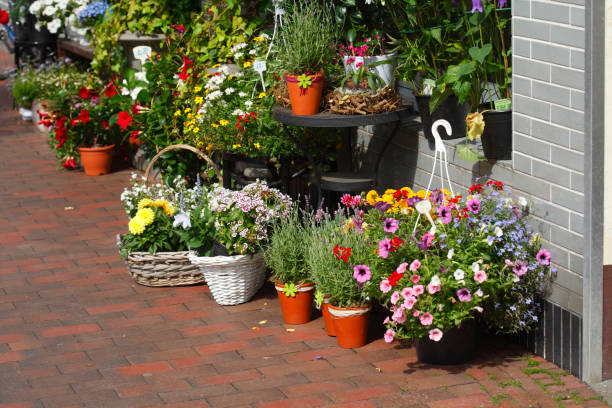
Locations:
(66, 48)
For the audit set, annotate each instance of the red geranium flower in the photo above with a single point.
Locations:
(342, 253)
(395, 276)
(395, 243)
(4, 17)
(124, 119)
(497, 184)
(476, 188)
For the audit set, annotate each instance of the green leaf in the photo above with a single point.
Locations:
(436, 33)
(479, 54)
(468, 154)
(455, 72)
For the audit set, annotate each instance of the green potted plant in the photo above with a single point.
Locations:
(339, 264)
(285, 257)
(25, 90)
(309, 36)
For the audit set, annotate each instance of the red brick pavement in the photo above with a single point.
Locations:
(76, 331)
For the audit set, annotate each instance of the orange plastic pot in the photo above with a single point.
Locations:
(96, 160)
(329, 323)
(351, 325)
(296, 309)
(305, 101)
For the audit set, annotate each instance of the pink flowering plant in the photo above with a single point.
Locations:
(243, 218)
(441, 260)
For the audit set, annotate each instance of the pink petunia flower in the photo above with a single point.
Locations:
(385, 286)
(464, 295)
(445, 214)
(387, 320)
(395, 297)
(390, 225)
(426, 319)
(416, 313)
(399, 316)
(520, 268)
(415, 278)
(384, 246)
(409, 302)
(402, 267)
(389, 335)
(433, 288)
(473, 205)
(406, 292)
(480, 276)
(416, 264)
(543, 257)
(418, 290)
(435, 334)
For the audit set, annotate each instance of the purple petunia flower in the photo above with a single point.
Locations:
(384, 247)
(362, 274)
(437, 196)
(473, 205)
(477, 6)
(391, 225)
(358, 222)
(543, 257)
(445, 214)
(412, 201)
(464, 295)
(382, 206)
(502, 3)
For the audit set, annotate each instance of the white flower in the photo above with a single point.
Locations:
(475, 267)
(253, 52)
(243, 94)
(229, 91)
(49, 11)
(522, 201)
(238, 112)
(479, 293)
(54, 25)
(459, 274)
(238, 55)
(498, 232)
(451, 253)
(182, 219)
(135, 92)
(248, 104)
(435, 280)
(141, 76)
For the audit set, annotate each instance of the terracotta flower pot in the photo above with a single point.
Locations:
(96, 160)
(296, 309)
(351, 325)
(329, 323)
(305, 101)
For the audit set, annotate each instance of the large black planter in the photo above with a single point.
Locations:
(457, 346)
(218, 249)
(497, 136)
(43, 36)
(450, 110)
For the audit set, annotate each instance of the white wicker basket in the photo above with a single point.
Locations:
(232, 279)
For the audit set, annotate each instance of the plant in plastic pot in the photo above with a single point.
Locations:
(339, 258)
(284, 255)
(309, 35)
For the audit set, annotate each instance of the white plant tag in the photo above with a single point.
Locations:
(259, 66)
(424, 207)
(142, 53)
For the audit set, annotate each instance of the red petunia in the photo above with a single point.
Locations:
(4, 17)
(123, 120)
(342, 253)
(395, 243)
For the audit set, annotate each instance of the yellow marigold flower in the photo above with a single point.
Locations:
(177, 113)
(388, 198)
(196, 129)
(187, 110)
(215, 125)
(159, 203)
(258, 39)
(199, 100)
(246, 64)
(136, 226)
(257, 145)
(165, 205)
(169, 209)
(146, 215)
(197, 89)
(236, 146)
(262, 95)
(422, 194)
(189, 115)
(223, 122)
(372, 197)
(145, 202)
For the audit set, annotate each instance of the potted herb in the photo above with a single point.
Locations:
(309, 35)
(236, 269)
(25, 90)
(285, 257)
(339, 261)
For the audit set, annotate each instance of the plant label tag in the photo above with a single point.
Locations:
(142, 53)
(259, 66)
(503, 104)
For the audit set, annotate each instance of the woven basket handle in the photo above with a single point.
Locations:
(178, 147)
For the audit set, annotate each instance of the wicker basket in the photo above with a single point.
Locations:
(162, 268)
(232, 279)
(165, 268)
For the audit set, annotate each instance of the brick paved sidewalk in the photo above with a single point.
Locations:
(76, 331)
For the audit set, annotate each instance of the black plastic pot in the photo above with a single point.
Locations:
(450, 110)
(457, 346)
(497, 136)
(218, 249)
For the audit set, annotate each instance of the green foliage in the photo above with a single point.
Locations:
(310, 35)
(285, 253)
(25, 88)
